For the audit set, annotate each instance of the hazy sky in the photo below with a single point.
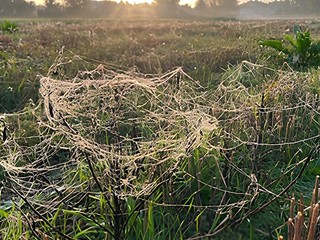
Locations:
(149, 1)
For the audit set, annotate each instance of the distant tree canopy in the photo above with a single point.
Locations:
(216, 8)
(229, 4)
(76, 4)
(160, 8)
(167, 8)
(304, 6)
(218, 3)
(167, 2)
(53, 8)
(16, 8)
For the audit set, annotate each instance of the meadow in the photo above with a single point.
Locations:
(162, 129)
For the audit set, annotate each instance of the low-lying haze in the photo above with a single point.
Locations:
(182, 2)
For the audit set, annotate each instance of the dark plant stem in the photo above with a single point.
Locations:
(117, 217)
(97, 181)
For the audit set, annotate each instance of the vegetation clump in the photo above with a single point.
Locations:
(300, 50)
(8, 26)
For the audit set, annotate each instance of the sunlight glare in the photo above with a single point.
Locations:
(191, 3)
(135, 1)
(188, 2)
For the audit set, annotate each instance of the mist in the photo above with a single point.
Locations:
(160, 9)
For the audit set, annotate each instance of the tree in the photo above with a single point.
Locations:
(215, 2)
(313, 5)
(202, 8)
(16, 8)
(77, 7)
(201, 5)
(167, 8)
(169, 3)
(229, 4)
(76, 4)
(53, 8)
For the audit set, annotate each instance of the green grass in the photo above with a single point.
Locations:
(192, 156)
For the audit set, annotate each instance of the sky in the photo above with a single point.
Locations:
(190, 2)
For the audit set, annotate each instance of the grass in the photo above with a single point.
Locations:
(120, 142)
(154, 48)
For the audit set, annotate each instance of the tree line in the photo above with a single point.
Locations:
(160, 8)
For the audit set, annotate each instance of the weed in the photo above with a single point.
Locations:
(8, 27)
(300, 50)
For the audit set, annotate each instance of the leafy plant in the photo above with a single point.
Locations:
(8, 26)
(300, 50)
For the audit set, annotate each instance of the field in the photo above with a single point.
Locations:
(162, 129)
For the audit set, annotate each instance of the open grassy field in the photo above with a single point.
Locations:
(163, 129)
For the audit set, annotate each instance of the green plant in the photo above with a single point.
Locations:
(174, 160)
(300, 50)
(8, 26)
